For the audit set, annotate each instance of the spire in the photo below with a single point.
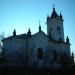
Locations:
(14, 32)
(48, 17)
(72, 57)
(54, 13)
(67, 40)
(39, 27)
(60, 16)
(53, 7)
(29, 32)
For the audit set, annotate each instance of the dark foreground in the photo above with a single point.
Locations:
(12, 70)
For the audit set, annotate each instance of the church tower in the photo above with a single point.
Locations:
(55, 26)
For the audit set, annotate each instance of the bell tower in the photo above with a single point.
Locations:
(55, 26)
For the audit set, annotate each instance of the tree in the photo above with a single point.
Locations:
(64, 59)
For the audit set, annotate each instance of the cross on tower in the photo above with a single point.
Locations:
(39, 26)
(53, 5)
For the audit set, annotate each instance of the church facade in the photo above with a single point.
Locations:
(39, 49)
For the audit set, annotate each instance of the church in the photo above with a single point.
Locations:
(39, 49)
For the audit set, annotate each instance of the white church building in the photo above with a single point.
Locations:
(39, 49)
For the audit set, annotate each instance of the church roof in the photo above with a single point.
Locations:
(40, 32)
(24, 36)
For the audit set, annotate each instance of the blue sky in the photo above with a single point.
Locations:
(22, 14)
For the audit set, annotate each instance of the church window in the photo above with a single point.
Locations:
(39, 53)
(50, 29)
(58, 30)
(54, 55)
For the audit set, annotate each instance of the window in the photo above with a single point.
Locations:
(50, 29)
(58, 30)
(39, 53)
(54, 55)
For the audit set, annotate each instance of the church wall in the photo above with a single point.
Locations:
(60, 48)
(18, 48)
(37, 41)
(67, 49)
(13, 48)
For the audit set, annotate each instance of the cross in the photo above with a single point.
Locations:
(53, 5)
(39, 22)
(39, 26)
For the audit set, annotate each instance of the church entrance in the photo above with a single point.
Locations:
(40, 53)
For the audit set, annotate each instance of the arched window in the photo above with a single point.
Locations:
(54, 55)
(58, 30)
(50, 29)
(39, 53)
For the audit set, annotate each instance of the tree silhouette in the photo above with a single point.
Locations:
(65, 59)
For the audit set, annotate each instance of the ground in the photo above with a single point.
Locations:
(13, 70)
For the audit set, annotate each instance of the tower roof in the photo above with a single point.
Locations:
(54, 13)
